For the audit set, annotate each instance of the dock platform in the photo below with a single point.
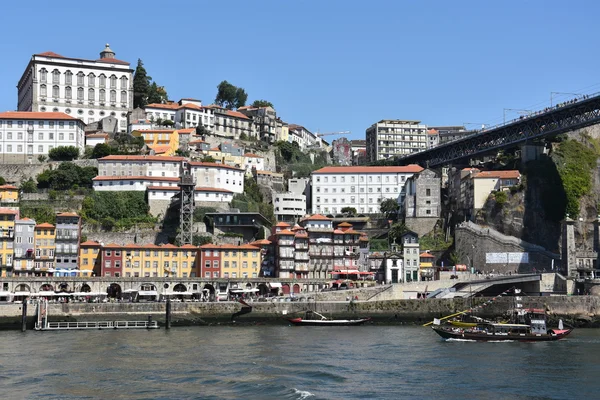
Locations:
(65, 326)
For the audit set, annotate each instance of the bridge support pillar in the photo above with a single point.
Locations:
(569, 250)
(531, 152)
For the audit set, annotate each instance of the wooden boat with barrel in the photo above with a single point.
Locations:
(531, 329)
(313, 318)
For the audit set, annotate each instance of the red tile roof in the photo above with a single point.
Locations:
(8, 187)
(154, 130)
(142, 158)
(345, 224)
(112, 61)
(282, 224)
(97, 135)
(136, 178)
(26, 115)
(168, 106)
(236, 114)
(210, 189)
(512, 174)
(44, 225)
(426, 255)
(412, 168)
(252, 155)
(285, 232)
(338, 232)
(8, 211)
(90, 243)
(262, 242)
(213, 165)
(197, 141)
(67, 214)
(317, 217)
(186, 130)
(49, 54)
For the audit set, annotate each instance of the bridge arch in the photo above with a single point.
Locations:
(208, 292)
(263, 289)
(85, 288)
(46, 287)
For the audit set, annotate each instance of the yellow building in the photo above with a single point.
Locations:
(284, 133)
(45, 237)
(89, 258)
(151, 260)
(163, 142)
(240, 261)
(9, 194)
(7, 234)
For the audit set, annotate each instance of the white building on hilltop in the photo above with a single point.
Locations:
(24, 136)
(390, 138)
(362, 188)
(86, 89)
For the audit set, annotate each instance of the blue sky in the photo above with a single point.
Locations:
(330, 65)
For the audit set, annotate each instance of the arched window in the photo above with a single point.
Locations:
(113, 82)
(56, 76)
(80, 93)
(91, 79)
(43, 90)
(91, 94)
(102, 95)
(123, 97)
(123, 82)
(68, 93)
(55, 92)
(68, 78)
(80, 77)
(43, 75)
(113, 96)
(102, 79)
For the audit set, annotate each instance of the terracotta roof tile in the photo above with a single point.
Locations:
(27, 115)
(512, 174)
(285, 232)
(252, 155)
(90, 243)
(282, 224)
(236, 114)
(262, 242)
(345, 224)
(67, 214)
(211, 189)
(44, 225)
(426, 255)
(49, 54)
(213, 165)
(317, 217)
(8, 187)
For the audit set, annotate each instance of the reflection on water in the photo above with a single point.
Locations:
(284, 362)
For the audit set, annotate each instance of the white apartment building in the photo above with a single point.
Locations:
(201, 194)
(86, 89)
(219, 176)
(24, 136)
(186, 113)
(289, 207)
(146, 166)
(133, 183)
(253, 161)
(390, 138)
(363, 188)
(232, 124)
(302, 136)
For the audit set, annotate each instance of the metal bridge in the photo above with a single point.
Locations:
(552, 121)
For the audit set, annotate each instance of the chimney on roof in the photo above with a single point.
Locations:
(107, 52)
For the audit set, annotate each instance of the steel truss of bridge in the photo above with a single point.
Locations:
(531, 129)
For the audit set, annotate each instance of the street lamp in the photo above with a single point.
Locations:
(518, 110)
(571, 94)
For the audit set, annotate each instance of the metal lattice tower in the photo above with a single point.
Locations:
(186, 209)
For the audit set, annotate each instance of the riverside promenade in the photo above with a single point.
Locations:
(576, 310)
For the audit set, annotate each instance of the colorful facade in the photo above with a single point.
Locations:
(44, 237)
(235, 261)
(7, 232)
(89, 258)
(9, 194)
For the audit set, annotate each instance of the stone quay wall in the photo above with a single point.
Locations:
(576, 310)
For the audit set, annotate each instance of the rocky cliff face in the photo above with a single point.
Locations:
(534, 213)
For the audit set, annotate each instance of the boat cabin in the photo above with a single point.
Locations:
(504, 329)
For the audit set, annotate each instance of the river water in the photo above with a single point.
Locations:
(286, 362)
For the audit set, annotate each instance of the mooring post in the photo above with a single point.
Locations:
(24, 316)
(168, 316)
(149, 325)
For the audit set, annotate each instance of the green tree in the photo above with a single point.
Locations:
(64, 153)
(230, 96)
(156, 94)
(202, 131)
(208, 158)
(67, 176)
(2, 181)
(390, 208)
(101, 150)
(348, 210)
(168, 122)
(141, 83)
(199, 240)
(262, 103)
(28, 186)
(396, 232)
